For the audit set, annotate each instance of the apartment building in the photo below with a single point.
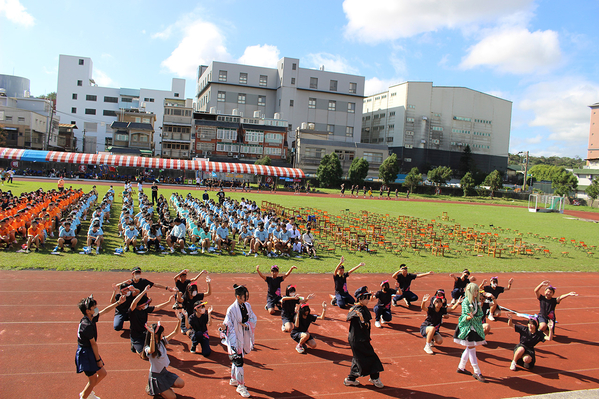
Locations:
(593, 150)
(328, 100)
(93, 109)
(176, 129)
(133, 133)
(233, 137)
(430, 126)
(28, 122)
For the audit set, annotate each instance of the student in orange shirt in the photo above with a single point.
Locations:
(35, 236)
(5, 235)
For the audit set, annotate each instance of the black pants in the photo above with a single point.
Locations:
(154, 196)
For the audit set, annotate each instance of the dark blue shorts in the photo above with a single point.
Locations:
(85, 360)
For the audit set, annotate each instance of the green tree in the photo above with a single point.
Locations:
(564, 183)
(593, 190)
(413, 179)
(466, 161)
(440, 175)
(389, 169)
(358, 171)
(49, 96)
(494, 180)
(467, 183)
(264, 161)
(546, 172)
(329, 171)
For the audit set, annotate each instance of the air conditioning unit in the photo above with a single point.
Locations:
(242, 155)
(235, 112)
(277, 115)
(256, 114)
(213, 110)
(304, 126)
(311, 126)
(230, 154)
(208, 152)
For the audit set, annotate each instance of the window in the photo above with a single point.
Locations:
(393, 94)
(293, 66)
(292, 81)
(226, 134)
(243, 78)
(80, 83)
(81, 61)
(90, 111)
(146, 99)
(392, 113)
(127, 100)
(254, 136)
(222, 76)
(138, 119)
(22, 119)
(311, 103)
(73, 110)
(353, 88)
(437, 128)
(176, 94)
(273, 138)
(109, 113)
(291, 103)
(331, 129)
(390, 139)
(332, 105)
(74, 96)
(351, 108)
(146, 120)
(314, 83)
(391, 127)
(409, 119)
(409, 133)
(220, 97)
(151, 100)
(376, 157)
(262, 100)
(461, 118)
(407, 159)
(411, 106)
(349, 131)
(315, 152)
(333, 86)
(241, 98)
(436, 114)
(263, 80)
(108, 99)
(121, 137)
(90, 97)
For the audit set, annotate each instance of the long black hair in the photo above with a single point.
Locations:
(149, 337)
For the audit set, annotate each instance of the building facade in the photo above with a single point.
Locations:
(328, 100)
(80, 101)
(233, 137)
(133, 133)
(312, 145)
(177, 129)
(593, 150)
(429, 126)
(28, 122)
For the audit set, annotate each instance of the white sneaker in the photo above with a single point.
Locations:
(513, 366)
(300, 349)
(97, 253)
(243, 391)
(183, 251)
(350, 383)
(377, 324)
(172, 250)
(376, 382)
(491, 317)
(383, 321)
(427, 349)
(233, 382)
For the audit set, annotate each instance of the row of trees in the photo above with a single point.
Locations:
(329, 171)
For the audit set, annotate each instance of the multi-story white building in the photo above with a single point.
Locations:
(80, 101)
(328, 100)
(430, 126)
(28, 122)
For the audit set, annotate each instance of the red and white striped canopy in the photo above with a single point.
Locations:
(152, 163)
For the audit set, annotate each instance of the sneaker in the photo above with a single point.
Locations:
(480, 378)
(377, 324)
(243, 391)
(463, 371)
(513, 366)
(127, 249)
(244, 253)
(183, 251)
(256, 255)
(349, 383)
(300, 349)
(269, 255)
(97, 251)
(233, 382)
(193, 349)
(334, 301)
(427, 349)
(408, 304)
(383, 321)
(37, 250)
(376, 382)
(93, 396)
(203, 251)
(491, 317)
(56, 249)
(172, 250)
(394, 302)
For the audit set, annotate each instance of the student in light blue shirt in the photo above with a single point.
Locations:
(177, 236)
(95, 236)
(222, 237)
(260, 241)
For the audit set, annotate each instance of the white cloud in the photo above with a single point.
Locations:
(515, 50)
(562, 106)
(165, 34)
(102, 79)
(202, 43)
(376, 85)
(331, 62)
(15, 12)
(381, 20)
(264, 56)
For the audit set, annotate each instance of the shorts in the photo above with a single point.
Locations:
(423, 331)
(137, 343)
(527, 351)
(85, 360)
(297, 335)
(543, 319)
(175, 239)
(67, 241)
(286, 319)
(273, 302)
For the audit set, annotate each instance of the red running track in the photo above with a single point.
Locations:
(39, 318)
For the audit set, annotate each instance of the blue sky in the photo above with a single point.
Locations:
(541, 55)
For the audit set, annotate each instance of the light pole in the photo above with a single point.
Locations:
(525, 169)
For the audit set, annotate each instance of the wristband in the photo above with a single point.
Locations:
(97, 360)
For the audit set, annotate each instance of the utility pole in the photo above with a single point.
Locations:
(525, 171)
(83, 151)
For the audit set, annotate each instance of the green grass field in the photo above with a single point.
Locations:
(467, 215)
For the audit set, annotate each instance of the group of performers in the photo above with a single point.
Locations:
(131, 303)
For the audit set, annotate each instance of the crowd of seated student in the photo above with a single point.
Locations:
(35, 216)
(223, 225)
